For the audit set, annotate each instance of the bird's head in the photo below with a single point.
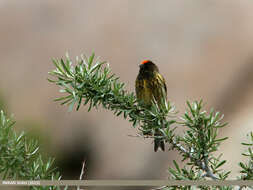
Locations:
(148, 65)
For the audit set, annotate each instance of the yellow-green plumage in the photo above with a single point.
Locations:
(150, 87)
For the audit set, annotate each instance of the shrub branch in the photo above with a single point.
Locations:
(90, 82)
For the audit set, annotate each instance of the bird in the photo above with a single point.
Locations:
(150, 86)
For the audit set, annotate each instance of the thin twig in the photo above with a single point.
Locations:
(144, 136)
(82, 173)
(158, 188)
(209, 173)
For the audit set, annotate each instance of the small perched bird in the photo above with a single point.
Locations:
(150, 87)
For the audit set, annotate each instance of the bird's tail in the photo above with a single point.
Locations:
(158, 143)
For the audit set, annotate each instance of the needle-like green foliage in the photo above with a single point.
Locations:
(20, 158)
(199, 142)
(247, 168)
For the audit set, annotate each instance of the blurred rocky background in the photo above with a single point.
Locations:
(204, 49)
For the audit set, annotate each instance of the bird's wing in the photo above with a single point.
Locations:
(160, 90)
(143, 90)
(161, 80)
(139, 88)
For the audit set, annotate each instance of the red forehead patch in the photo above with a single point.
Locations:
(145, 61)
